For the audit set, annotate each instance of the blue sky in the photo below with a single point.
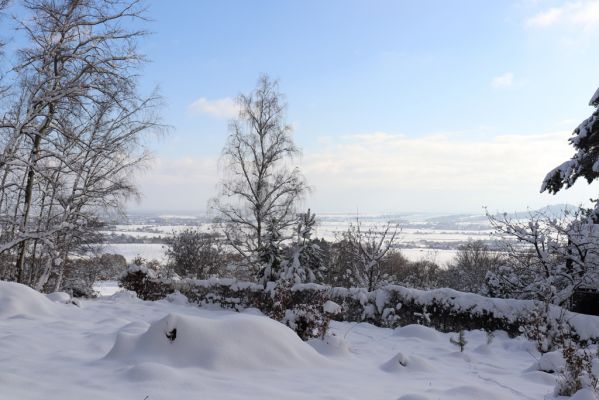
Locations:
(397, 105)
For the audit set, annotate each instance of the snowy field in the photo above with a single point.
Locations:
(149, 251)
(117, 348)
(419, 238)
(155, 251)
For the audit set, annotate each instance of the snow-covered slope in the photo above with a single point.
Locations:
(116, 348)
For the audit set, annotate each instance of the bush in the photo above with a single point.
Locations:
(468, 271)
(143, 281)
(580, 371)
(421, 274)
(195, 254)
(304, 314)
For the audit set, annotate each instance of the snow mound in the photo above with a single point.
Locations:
(330, 307)
(151, 372)
(123, 295)
(59, 297)
(401, 362)
(540, 377)
(177, 298)
(550, 362)
(584, 394)
(19, 300)
(331, 346)
(418, 331)
(232, 341)
(413, 397)
(471, 392)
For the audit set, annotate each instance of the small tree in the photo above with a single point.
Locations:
(270, 254)
(260, 185)
(370, 247)
(341, 259)
(306, 259)
(460, 341)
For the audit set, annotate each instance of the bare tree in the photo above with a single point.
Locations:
(548, 258)
(71, 137)
(3, 5)
(473, 261)
(260, 185)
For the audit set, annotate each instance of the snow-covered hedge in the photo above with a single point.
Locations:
(446, 310)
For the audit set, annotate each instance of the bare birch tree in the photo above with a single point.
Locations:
(260, 183)
(71, 139)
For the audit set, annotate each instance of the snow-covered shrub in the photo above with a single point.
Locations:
(301, 310)
(445, 310)
(546, 332)
(581, 370)
(195, 254)
(144, 281)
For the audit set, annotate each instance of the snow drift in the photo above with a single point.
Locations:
(234, 341)
(18, 300)
(419, 332)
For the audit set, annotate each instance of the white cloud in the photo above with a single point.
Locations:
(503, 81)
(545, 18)
(220, 108)
(580, 13)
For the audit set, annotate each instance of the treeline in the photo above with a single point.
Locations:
(541, 258)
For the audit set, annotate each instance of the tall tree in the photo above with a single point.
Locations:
(260, 184)
(71, 136)
(585, 161)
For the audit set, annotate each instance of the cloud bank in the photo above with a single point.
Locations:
(377, 172)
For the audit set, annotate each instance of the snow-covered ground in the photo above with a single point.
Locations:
(149, 251)
(156, 251)
(117, 348)
(420, 237)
